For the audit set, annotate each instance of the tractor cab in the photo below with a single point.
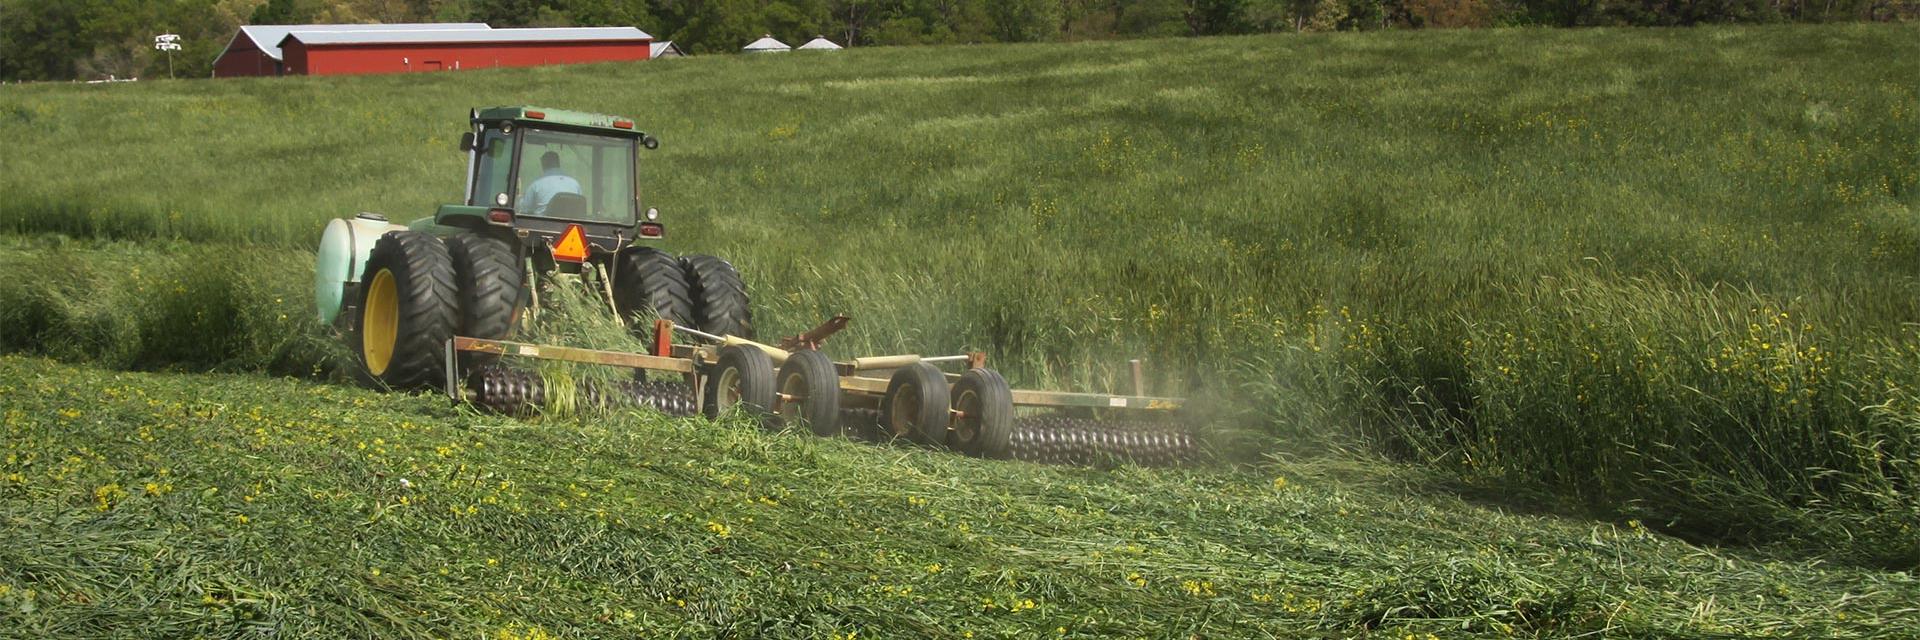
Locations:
(537, 173)
(551, 201)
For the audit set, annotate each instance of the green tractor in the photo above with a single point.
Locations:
(551, 199)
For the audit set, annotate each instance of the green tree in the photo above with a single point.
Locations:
(1152, 18)
(282, 12)
(1024, 20)
(41, 40)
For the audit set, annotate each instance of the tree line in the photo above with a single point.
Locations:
(90, 39)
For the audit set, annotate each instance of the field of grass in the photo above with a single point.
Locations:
(158, 505)
(1664, 274)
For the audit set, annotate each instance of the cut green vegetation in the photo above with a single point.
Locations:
(1664, 274)
(153, 505)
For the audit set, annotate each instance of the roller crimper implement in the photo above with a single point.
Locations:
(878, 398)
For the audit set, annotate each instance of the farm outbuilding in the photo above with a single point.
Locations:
(766, 44)
(819, 43)
(336, 51)
(255, 50)
(667, 49)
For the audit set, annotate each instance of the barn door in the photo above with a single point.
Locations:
(431, 65)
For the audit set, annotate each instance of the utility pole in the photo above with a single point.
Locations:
(168, 42)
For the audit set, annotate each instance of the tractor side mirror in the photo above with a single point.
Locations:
(649, 142)
(466, 141)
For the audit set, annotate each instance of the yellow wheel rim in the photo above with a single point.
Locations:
(380, 324)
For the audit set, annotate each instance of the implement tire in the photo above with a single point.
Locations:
(409, 306)
(743, 377)
(810, 377)
(719, 297)
(986, 431)
(648, 283)
(916, 403)
(489, 277)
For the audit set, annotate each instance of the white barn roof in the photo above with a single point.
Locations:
(767, 45)
(267, 37)
(416, 36)
(819, 43)
(666, 49)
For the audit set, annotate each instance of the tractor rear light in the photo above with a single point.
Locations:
(500, 216)
(572, 246)
(623, 124)
(537, 115)
(653, 230)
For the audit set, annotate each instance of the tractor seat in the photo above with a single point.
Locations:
(566, 205)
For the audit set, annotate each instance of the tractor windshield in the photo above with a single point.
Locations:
(576, 176)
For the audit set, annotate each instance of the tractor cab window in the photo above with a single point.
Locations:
(490, 174)
(575, 176)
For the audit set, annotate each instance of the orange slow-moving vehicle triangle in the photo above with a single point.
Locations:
(572, 246)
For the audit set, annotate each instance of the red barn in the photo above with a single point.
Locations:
(255, 50)
(334, 49)
(401, 51)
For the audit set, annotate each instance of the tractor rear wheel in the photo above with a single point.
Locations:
(719, 297)
(810, 392)
(743, 377)
(489, 279)
(915, 405)
(984, 426)
(648, 283)
(408, 310)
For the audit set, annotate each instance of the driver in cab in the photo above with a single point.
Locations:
(552, 182)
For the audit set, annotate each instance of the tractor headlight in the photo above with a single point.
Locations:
(500, 199)
(653, 214)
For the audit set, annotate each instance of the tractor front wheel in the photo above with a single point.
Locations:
(408, 310)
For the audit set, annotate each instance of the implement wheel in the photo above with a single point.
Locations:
(810, 393)
(743, 378)
(915, 406)
(408, 309)
(648, 283)
(983, 428)
(489, 278)
(719, 297)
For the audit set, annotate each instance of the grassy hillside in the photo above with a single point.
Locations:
(148, 505)
(1669, 274)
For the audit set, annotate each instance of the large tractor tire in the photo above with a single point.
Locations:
(648, 283)
(409, 307)
(490, 280)
(719, 297)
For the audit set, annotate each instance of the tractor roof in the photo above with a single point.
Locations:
(602, 124)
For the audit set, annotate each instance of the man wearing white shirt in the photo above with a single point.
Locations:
(551, 183)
